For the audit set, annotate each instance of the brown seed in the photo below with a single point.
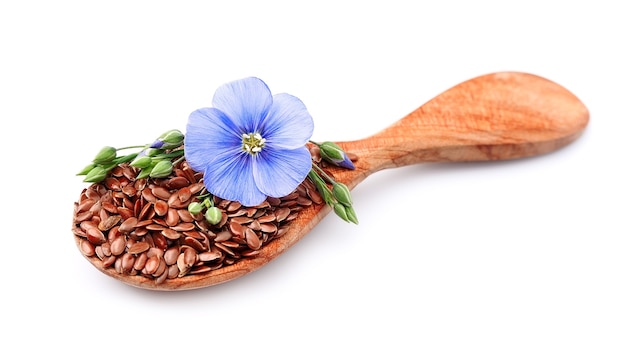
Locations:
(152, 265)
(85, 225)
(129, 173)
(171, 254)
(196, 187)
(190, 256)
(255, 225)
(110, 207)
(95, 236)
(225, 249)
(160, 279)
(282, 213)
(172, 217)
(172, 271)
(112, 183)
(182, 267)
(209, 255)
(153, 251)
(106, 248)
(194, 243)
(267, 218)
(130, 191)
(233, 206)
(109, 222)
(87, 248)
(140, 261)
(304, 201)
(194, 234)
(159, 240)
(162, 193)
(161, 207)
(118, 245)
(92, 194)
(272, 201)
(140, 231)
(177, 182)
(160, 269)
(128, 225)
(184, 194)
(147, 194)
(114, 233)
(138, 248)
(184, 215)
(147, 212)
(117, 172)
(223, 236)
(128, 261)
(86, 215)
(242, 220)
(184, 226)
(109, 261)
(124, 212)
(155, 227)
(170, 234)
(268, 227)
(85, 205)
(252, 239)
(236, 228)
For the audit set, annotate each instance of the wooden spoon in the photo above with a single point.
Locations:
(492, 117)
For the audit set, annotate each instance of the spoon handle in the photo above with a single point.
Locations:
(493, 117)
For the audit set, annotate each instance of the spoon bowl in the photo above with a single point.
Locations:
(498, 116)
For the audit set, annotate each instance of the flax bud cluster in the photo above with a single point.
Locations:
(155, 160)
(335, 194)
(212, 214)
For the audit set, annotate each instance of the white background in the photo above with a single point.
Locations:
(527, 254)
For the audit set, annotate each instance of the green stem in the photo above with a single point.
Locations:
(320, 184)
(170, 155)
(129, 147)
(328, 178)
(124, 159)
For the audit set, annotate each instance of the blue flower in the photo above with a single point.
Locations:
(250, 144)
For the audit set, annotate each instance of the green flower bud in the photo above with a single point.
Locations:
(105, 155)
(195, 208)
(151, 152)
(213, 215)
(96, 174)
(340, 210)
(141, 162)
(331, 151)
(172, 138)
(86, 169)
(351, 215)
(342, 194)
(162, 169)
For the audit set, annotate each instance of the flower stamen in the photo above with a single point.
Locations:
(252, 142)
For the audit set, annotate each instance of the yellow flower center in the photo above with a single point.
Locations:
(252, 142)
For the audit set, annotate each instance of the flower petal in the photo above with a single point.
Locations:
(245, 101)
(208, 132)
(278, 172)
(288, 124)
(230, 176)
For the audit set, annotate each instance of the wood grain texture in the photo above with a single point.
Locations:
(497, 116)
